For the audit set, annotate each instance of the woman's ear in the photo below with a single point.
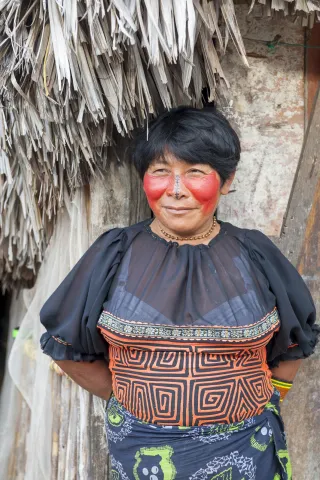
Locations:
(227, 184)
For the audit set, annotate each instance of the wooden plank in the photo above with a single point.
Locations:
(309, 259)
(301, 411)
(72, 445)
(84, 435)
(98, 444)
(312, 66)
(56, 402)
(64, 424)
(304, 187)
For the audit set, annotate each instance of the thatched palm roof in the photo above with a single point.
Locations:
(74, 73)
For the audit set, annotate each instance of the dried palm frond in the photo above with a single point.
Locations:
(71, 74)
(302, 8)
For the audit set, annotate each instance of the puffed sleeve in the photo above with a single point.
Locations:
(71, 313)
(298, 332)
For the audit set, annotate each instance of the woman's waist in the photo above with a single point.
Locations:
(193, 398)
(116, 412)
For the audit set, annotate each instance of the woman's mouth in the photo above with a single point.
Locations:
(178, 210)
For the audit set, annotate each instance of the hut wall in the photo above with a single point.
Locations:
(117, 200)
(268, 108)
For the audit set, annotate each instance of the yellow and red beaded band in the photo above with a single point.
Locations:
(282, 387)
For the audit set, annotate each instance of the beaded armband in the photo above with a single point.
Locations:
(282, 387)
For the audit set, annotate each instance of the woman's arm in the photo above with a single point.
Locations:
(94, 377)
(283, 375)
(286, 370)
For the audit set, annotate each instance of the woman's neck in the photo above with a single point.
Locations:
(159, 229)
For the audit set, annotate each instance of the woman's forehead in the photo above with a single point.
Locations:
(171, 160)
(167, 158)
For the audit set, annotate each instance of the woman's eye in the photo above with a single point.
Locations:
(160, 171)
(196, 171)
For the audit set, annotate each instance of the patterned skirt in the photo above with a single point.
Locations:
(254, 449)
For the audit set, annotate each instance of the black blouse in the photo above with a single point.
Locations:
(236, 280)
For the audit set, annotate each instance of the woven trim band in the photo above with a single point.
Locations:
(138, 329)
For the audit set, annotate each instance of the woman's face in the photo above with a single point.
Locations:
(183, 197)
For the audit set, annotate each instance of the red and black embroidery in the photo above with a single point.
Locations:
(173, 381)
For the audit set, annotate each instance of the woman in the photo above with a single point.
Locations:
(185, 319)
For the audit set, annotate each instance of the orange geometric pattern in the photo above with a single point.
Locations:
(178, 382)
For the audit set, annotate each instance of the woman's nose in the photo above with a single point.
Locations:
(176, 187)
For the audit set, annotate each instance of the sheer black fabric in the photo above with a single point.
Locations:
(298, 334)
(160, 282)
(71, 313)
(235, 280)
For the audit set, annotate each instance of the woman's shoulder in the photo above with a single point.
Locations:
(246, 235)
(122, 234)
(137, 227)
(258, 245)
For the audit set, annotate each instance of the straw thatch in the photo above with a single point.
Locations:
(74, 74)
(306, 11)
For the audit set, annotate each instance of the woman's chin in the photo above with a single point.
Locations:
(180, 224)
(174, 212)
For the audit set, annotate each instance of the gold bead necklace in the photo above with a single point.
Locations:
(197, 237)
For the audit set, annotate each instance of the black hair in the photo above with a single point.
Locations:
(190, 134)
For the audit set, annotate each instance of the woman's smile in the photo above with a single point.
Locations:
(179, 210)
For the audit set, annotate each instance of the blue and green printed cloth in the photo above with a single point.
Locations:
(254, 449)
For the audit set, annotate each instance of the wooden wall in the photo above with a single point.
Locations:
(301, 410)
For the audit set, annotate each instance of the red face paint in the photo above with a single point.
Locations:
(205, 190)
(154, 188)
